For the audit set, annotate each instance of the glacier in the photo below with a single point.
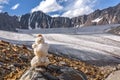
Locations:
(91, 43)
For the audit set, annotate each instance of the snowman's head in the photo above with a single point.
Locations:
(39, 39)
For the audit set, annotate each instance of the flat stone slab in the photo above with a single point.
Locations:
(114, 76)
(53, 72)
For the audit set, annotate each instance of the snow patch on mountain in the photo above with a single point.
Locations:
(97, 19)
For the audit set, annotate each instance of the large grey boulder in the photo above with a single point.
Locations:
(52, 72)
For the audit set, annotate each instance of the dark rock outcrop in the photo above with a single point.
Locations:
(79, 20)
(60, 22)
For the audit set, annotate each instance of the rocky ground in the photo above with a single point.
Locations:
(115, 30)
(15, 60)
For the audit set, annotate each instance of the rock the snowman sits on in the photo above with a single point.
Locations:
(40, 48)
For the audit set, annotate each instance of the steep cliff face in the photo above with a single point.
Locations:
(60, 22)
(79, 21)
(9, 23)
(35, 20)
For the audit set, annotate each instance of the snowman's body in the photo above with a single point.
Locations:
(41, 51)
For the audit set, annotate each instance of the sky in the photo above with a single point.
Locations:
(64, 8)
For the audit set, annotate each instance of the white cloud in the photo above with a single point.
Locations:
(15, 6)
(48, 6)
(67, 8)
(1, 7)
(79, 7)
(55, 15)
(62, 1)
(4, 1)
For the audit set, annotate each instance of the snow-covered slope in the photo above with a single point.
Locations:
(17, 38)
(87, 43)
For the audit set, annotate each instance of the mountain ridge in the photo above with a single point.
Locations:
(110, 15)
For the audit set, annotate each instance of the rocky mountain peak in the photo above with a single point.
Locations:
(9, 23)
